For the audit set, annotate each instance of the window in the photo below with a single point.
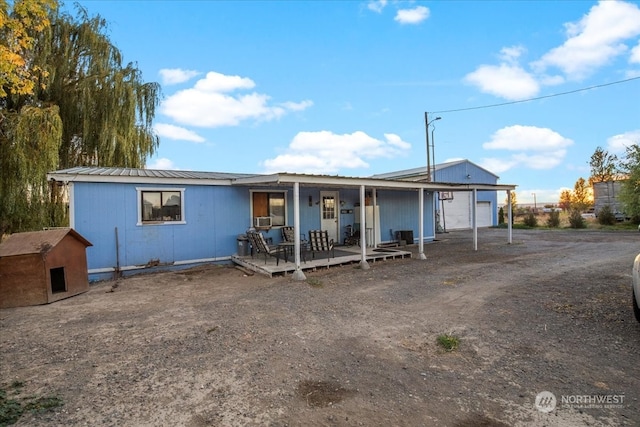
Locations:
(160, 206)
(271, 204)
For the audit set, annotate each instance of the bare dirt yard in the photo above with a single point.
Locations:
(212, 346)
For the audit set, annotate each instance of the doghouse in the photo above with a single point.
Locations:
(41, 267)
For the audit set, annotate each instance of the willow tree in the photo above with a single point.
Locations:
(106, 108)
(84, 108)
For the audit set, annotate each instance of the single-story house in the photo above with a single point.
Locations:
(454, 209)
(141, 218)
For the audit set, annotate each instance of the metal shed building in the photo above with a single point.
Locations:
(41, 267)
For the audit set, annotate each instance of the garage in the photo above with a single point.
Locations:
(456, 213)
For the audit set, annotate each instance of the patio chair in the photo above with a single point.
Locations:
(319, 242)
(288, 236)
(260, 246)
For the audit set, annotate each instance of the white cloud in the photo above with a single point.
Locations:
(594, 40)
(497, 166)
(531, 147)
(172, 76)
(520, 138)
(412, 16)
(377, 5)
(212, 102)
(505, 80)
(591, 43)
(162, 164)
(511, 54)
(635, 54)
(297, 106)
(217, 82)
(325, 152)
(176, 132)
(618, 144)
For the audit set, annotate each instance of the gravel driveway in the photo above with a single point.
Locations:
(212, 346)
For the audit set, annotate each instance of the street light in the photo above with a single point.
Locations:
(535, 204)
(427, 123)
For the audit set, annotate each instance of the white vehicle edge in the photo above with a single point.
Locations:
(635, 291)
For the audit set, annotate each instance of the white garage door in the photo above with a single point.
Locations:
(457, 212)
(484, 214)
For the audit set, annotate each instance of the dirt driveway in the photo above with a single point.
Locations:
(214, 347)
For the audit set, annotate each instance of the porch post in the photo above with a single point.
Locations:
(375, 237)
(421, 223)
(509, 213)
(363, 231)
(298, 274)
(474, 210)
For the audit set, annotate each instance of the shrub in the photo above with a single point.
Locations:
(501, 216)
(448, 342)
(606, 216)
(553, 220)
(530, 220)
(576, 220)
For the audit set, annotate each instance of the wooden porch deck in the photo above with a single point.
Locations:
(344, 256)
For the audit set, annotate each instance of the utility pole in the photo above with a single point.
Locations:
(426, 127)
(429, 159)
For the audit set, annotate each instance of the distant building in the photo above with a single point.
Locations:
(606, 193)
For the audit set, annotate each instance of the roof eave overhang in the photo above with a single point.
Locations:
(66, 178)
(320, 180)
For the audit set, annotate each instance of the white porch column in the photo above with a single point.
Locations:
(374, 236)
(363, 232)
(298, 274)
(474, 210)
(509, 213)
(421, 223)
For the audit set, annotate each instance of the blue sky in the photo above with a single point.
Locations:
(341, 87)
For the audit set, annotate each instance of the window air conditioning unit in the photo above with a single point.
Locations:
(262, 221)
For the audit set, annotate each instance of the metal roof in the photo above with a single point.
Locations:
(408, 173)
(34, 242)
(151, 176)
(147, 173)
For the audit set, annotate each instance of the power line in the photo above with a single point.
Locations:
(537, 98)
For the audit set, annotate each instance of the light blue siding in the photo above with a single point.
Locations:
(214, 216)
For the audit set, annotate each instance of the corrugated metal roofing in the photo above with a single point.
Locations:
(33, 242)
(149, 173)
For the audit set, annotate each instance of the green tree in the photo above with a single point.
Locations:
(603, 166)
(86, 108)
(630, 190)
(581, 197)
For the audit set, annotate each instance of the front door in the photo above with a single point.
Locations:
(329, 214)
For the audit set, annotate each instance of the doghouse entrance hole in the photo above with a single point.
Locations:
(58, 284)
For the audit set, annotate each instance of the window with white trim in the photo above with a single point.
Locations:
(160, 205)
(271, 204)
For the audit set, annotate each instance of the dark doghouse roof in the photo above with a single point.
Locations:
(33, 242)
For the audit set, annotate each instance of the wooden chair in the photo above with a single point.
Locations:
(319, 242)
(260, 246)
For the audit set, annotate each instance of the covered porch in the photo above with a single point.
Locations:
(344, 255)
(368, 250)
